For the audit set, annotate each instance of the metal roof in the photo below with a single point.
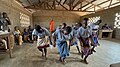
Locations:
(87, 6)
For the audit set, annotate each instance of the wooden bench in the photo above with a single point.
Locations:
(7, 35)
(108, 31)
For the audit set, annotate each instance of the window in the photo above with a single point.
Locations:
(117, 21)
(94, 19)
(24, 20)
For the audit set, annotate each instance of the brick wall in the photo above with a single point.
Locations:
(44, 17)
(108, 16)
(13, 10)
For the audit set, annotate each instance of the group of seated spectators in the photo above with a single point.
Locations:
(25, 36)
(18, 37)
(106, 27)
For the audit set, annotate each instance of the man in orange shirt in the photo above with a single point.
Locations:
(52, 26)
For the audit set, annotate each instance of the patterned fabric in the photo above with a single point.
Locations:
(95, 39)
(94, 28)
(86, 51)
(86, 48)
(84, 35)
(63, 49)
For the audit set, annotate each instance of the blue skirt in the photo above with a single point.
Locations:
(63, 49)
(95, 39)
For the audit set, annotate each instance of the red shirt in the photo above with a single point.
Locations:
(52, 25)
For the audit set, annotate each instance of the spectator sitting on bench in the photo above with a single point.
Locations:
(26, 36)
(106, 27)
(18, 37)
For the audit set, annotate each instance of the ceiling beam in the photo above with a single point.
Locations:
(54, 6)
(19, 1)
(45, 5)
(62, 5)
(80, 6)
(110, 3)
(70, 4)
(94, 8)
(49, 6)
(88, 7)
(64, 2)
(103, 2)
(113, 4)
(98, 5)
(94, 4)
(38, 8)
(87, 4)
(29, 2)
(76, 4)
(40, 4)
(59, 2)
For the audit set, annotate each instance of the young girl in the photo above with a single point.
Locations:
(85, 37)
(60, 38)
(74, 39)
(26, 36)
(42, 41)
(94, 27)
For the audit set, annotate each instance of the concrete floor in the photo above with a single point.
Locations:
(28, 56)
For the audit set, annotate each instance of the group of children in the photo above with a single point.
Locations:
(66, 36)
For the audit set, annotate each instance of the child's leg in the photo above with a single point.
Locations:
(5, 43)
(85, 59)
(20, 40)
(78, 49)
(69, 48)
(93, 49)
(82, 55)
(87, 54)
(60, 59)
(41, 51)
(45, 51)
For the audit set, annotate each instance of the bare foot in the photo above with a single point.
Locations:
(85, 61)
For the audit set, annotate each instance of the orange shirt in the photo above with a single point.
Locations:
(52, 25)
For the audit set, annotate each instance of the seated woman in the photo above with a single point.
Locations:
(18, 37)
(26, 36)
(3, 43)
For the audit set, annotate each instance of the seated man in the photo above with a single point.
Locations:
(106, 26)
(3, 43)
(18, 37)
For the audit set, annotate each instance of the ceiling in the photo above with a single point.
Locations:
(88, 6)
